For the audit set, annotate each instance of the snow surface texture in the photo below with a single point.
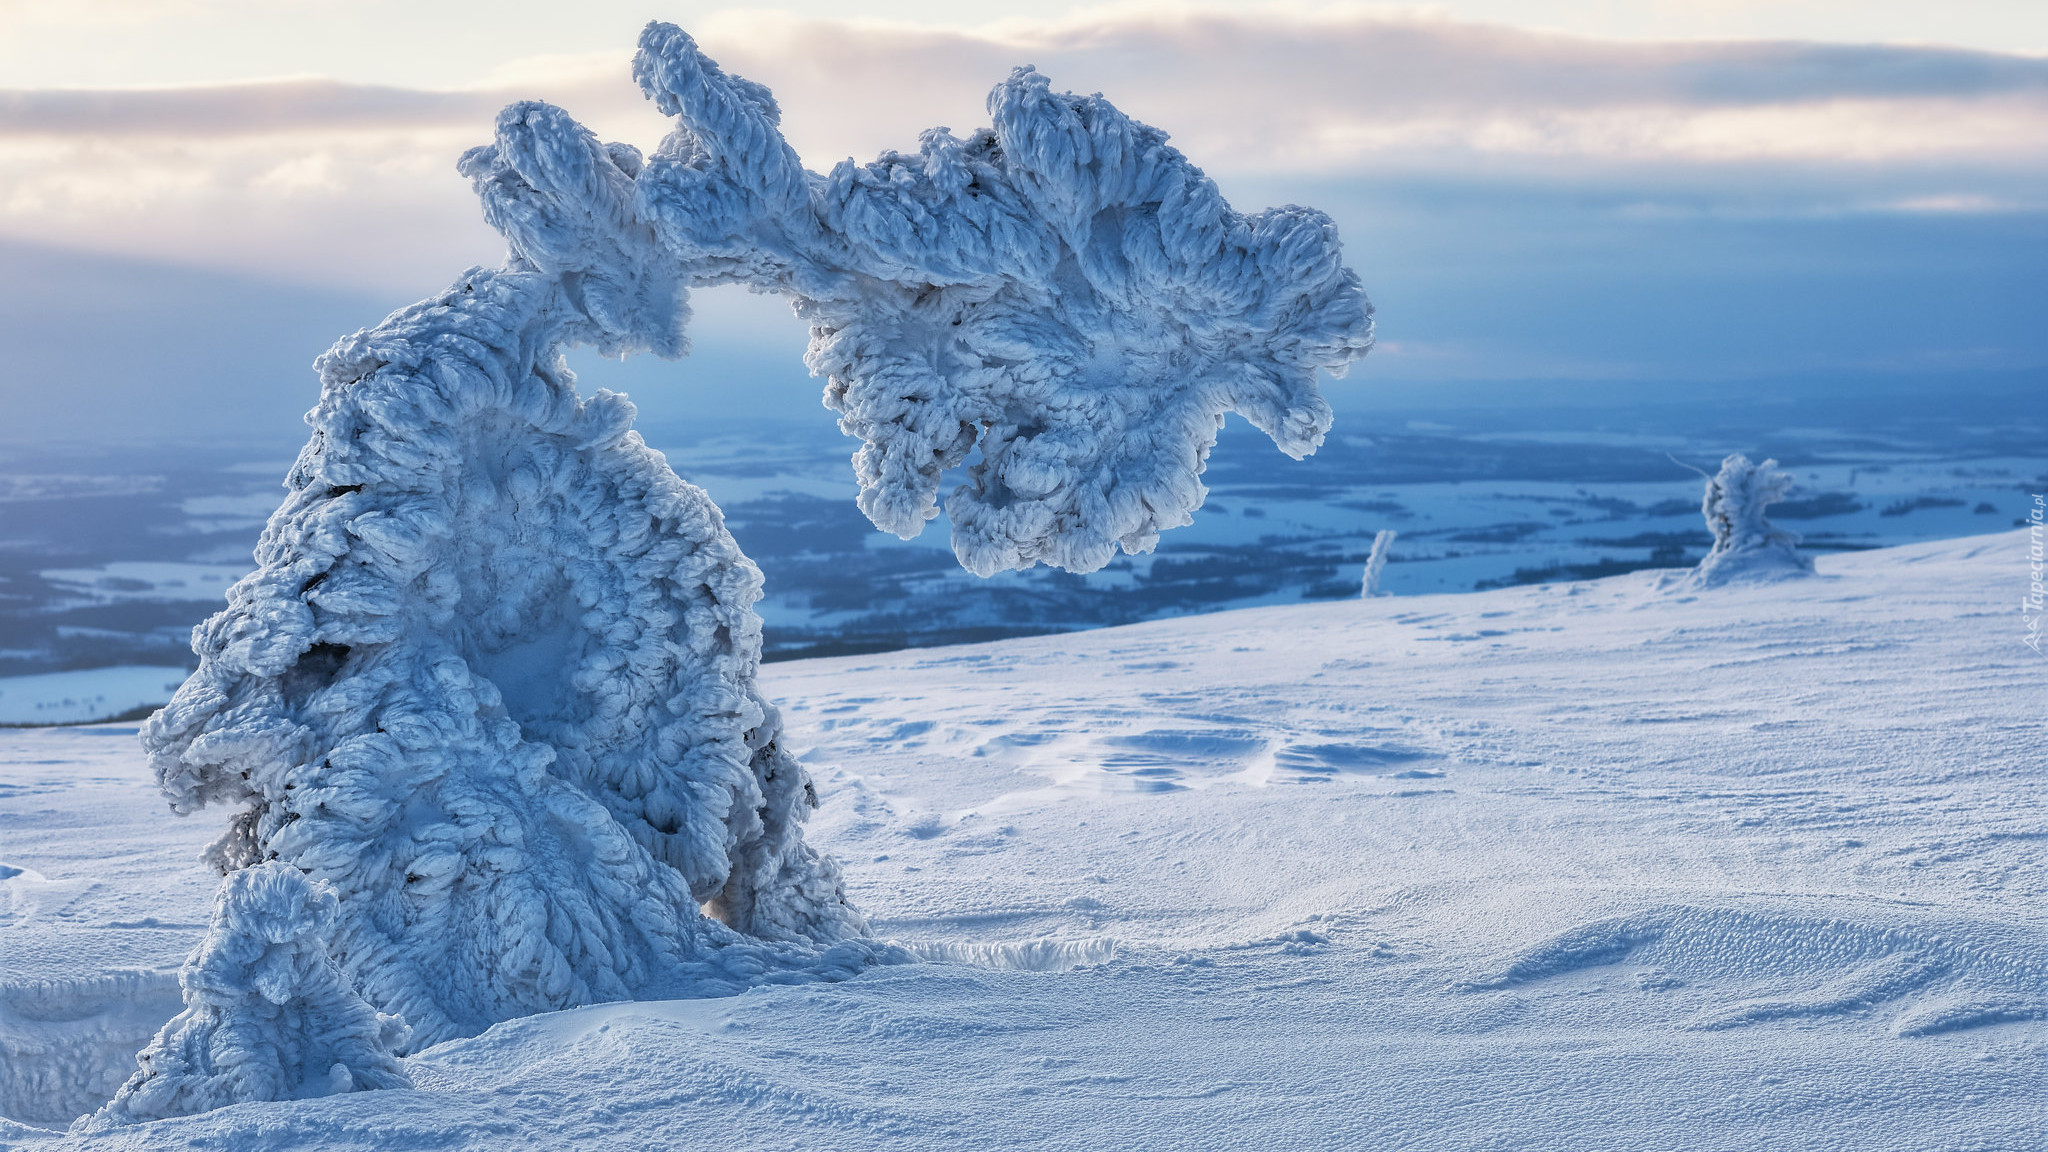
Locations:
(268, 1015)
(1376, 563)
(1573, 868)
(493, 679)
(1746, 546)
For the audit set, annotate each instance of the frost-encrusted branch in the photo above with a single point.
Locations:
(1060, 304)
(1747, 546)
(1062, 293)
(268, 1015)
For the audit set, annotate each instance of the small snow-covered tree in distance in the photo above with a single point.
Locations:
(1746, 545)
(1376, 563)
(493, 679)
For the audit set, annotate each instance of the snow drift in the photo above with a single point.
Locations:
(493, 680)
(1770, 881)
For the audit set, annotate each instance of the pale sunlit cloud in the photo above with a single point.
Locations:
(315, 179)
(1315, 92)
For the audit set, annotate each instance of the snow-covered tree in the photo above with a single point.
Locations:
(268, 1015)
(1746, 546)
(494, 677)
(1376, 563)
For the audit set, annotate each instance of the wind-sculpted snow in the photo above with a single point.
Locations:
(1747, 546)
(268, 1016)
(1787, 967)
(493, 679)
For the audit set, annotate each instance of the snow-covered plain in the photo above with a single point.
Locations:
(86, 695)
(1575, 866)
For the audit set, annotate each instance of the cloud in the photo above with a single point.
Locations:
(300, 179)
(308, 104)
(318, 179)
(1318, 93)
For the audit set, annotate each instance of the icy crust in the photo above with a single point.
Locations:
(268, 1015)
(493, 680)
(1747, 546)
(1062, 292)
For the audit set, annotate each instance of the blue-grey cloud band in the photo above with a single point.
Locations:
(262, 176)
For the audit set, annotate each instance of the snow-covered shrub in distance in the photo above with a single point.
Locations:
(1376, 563)
(268, 1015)
(1746, 546)
(494, 677)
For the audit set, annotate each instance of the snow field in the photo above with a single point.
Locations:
(1578, 866)
(85, 696)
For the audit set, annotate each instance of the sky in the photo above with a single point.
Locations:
(196, 196)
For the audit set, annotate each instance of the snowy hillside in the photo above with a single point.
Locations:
(1573, 866)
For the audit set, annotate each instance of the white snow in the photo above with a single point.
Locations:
(492, 680)
(1585, 866)
(86, 695)
(1061, 305)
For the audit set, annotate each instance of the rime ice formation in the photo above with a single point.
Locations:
(1376, 563)
(268, 1015)
(494, 677)
(1063, 292)
(1746, 546)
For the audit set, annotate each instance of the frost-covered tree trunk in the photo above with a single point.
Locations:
(1747, 546)
(1376, 563)
(494, 677)
(268, 1015)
